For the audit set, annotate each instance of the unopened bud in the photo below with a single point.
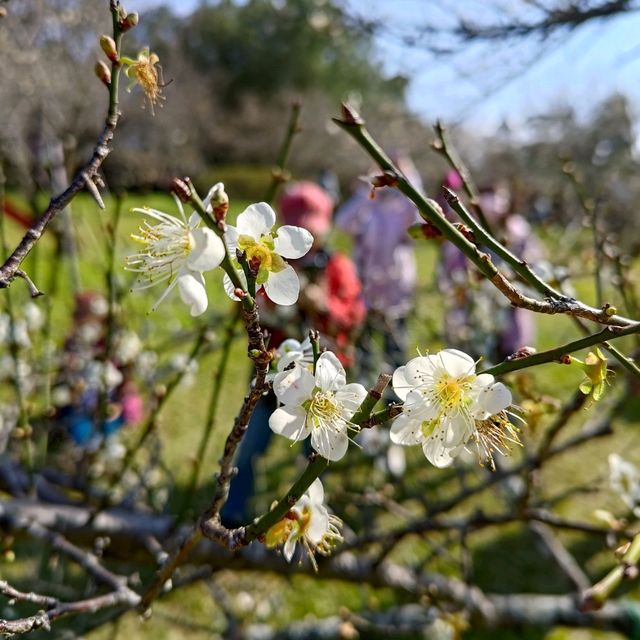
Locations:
(350, 115)
(103, 73)
(3, 12)
(565, 359)
(181, 188)
(130, 21)
(239, 293)
(522, 352)
(108, 45)
(385, 179)
(217, 202)
(466, 232)
(609, 310)
(424, 230)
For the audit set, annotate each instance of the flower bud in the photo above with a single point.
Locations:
(3, 12)
(350, 116)
(218, 201)
(103, 73)
(108, 45)
(130, 21)
(181, 189)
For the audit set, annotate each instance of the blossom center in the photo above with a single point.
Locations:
(261, 255)
(146, 75)
(259, 251)
(304, 521)
(323, 409)
(451, 393)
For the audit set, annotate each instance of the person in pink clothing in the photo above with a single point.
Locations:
(384, 256)
(476, 319)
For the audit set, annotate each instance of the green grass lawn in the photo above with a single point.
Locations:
(503, 561)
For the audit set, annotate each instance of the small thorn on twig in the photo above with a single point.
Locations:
(450, 196)
(34, 292)
(92, 189)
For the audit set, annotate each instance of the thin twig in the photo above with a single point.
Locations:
(9, 270)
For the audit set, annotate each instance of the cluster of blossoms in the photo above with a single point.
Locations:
(178, 250)
(309, 523)
(447, 404)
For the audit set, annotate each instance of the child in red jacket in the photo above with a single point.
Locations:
(330, 290)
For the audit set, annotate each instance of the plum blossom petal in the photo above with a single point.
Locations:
(292, 242)
(494, 398)
(256, 220)
(406, 431)
(208, 250)
(330, 374)
(229, 287)
(316, 492)
(351, 396)
(401, 386)
(419, 370)
(290, 422)
(294, 386)
(283, 287)
(192, 292)
(331, 445)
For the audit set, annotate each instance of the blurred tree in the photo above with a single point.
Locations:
(264, 47)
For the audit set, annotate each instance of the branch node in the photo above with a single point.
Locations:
(90, 184)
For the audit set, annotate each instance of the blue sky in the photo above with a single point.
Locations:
(477, 88)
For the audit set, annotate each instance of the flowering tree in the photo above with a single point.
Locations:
(446, 404)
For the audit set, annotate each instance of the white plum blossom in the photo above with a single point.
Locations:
(309, 523)
(319, 406)
(265, 250)
(176, 250)
(444, 401)
(624, 479)
(291, 351)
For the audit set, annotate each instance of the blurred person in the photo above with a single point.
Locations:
(384, 255)
(330, 302)
(86, 377)
(476, 319)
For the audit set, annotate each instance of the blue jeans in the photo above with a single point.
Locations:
(236, 510)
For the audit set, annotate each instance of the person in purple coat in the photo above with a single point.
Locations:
(384, 256)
